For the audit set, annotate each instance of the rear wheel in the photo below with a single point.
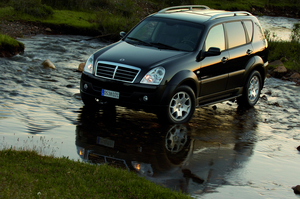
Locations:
(251, 92)
(181, 106)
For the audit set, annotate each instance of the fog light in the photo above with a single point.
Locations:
(145, 98)
(85, 86)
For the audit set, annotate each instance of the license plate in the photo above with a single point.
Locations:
(105, 142)
(112, 94)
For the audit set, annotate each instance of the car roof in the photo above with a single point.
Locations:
(197, 13)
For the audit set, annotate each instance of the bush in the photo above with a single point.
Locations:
(295, 36)
(32, 7)
(109, 23)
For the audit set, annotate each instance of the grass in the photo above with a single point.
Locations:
(7, 40)
(26, 174)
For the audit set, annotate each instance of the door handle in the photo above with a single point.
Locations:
(249, 52)
(224, 60)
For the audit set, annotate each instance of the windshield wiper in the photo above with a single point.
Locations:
(164, 46)
(140, 41)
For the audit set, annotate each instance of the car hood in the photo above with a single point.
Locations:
(136, 55)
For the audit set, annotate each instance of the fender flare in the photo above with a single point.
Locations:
(185, 77)
(255, 63)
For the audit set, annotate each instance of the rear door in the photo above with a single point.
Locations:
(239, 35)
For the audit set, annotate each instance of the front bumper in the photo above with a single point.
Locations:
(131, 94)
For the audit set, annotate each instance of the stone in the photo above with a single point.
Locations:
(80, 67)
(48, 30)
(279, 66)
(280, 69)
(298, 148)
(48, 64)
(296, 189)
(295, 77)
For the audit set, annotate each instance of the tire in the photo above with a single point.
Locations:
(181, 106)
(251, 92)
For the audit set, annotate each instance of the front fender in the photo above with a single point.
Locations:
(185, 77)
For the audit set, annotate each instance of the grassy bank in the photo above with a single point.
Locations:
(9, 46)
(25, 174)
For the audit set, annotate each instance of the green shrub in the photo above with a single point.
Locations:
(109, 23)
(295, 36)
(32, 7)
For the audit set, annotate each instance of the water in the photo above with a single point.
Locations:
(224, 152)
(281, 27)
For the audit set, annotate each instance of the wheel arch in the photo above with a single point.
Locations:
(256, 63)
(184, 77)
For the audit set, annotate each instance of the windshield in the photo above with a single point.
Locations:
(166, 34)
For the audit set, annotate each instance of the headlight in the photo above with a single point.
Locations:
(89, 65)
(154, 76)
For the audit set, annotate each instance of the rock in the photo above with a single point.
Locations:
(80, 67)
(298, 148)
(295, 77)
(280, 69)
(48, 64)
(279, 66)
(48, 30)
(296, 189)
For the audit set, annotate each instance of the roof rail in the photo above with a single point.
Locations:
(230, 14)
(182, 8)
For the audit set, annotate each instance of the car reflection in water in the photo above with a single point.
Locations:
(177, 157)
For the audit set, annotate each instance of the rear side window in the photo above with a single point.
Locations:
(249, 28)
(236, 34)
(258, 33)
(215, 38)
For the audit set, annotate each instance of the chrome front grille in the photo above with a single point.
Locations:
(119, 72)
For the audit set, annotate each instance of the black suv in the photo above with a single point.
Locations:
(178, 59)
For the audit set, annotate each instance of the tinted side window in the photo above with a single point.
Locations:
(215, 38)
(236, 34)
(249, 28)
(258, 33)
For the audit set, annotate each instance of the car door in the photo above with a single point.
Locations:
(239, 35)
(212, 74)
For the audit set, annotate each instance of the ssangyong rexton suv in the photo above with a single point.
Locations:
(178, 59)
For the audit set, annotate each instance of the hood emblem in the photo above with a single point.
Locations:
(122, 59)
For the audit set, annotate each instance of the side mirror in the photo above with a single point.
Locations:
(122, 34)
(212, 51)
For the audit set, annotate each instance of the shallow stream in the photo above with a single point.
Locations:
(224, 152)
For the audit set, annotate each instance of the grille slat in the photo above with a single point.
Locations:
(117, 72)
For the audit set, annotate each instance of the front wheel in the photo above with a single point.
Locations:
(181, 106)
(251, 90)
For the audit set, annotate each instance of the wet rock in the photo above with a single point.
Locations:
(279, 70)
(48, 30)
(188, 174)
(48, 64)
(264, 97)
(296, 189)
(298, 148)
(80, 67)
(214, 107)
(295, 77)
